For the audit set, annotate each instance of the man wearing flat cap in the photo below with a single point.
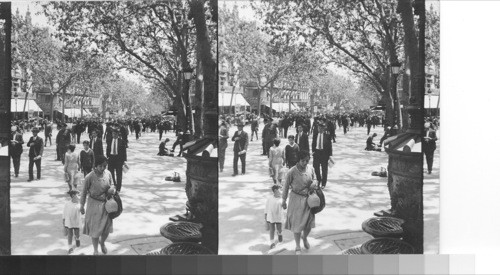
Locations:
(322, 150)
(35, 154)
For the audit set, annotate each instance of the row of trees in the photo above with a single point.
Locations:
(364, 37)
(154, 39)
(65, 72)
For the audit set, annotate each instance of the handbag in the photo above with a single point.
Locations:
(316, 200)
(313, 200)
(114, 206)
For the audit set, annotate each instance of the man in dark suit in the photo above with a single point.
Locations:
(322, 150)
(48, 132)
(58, 142)
(96, 143)
(223, 136)
(240, 139)
(254, 128)
(16, 148)
(265, 133)
(65, 141)
(330, 127)
(116, 151)
(302, 139)
(429, 145)
(35, 154)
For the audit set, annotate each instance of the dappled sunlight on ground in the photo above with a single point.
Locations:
(352, 196)
(148, 200)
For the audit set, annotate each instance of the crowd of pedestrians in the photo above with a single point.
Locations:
(99, 165)
(308, 138)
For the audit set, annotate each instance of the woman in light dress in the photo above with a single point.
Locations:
(299, 218)
(71, 166)
(98, 185)
(276, 160)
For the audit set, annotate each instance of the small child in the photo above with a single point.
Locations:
(72, 219)
(273, 214)
(86, 158)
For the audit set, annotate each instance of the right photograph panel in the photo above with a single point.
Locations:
(328, 127)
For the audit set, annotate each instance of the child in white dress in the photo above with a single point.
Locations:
(72, 219)
(273, 214)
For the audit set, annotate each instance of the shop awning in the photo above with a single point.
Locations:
(238, 99)
(74, 112)
(283, 107)
(431, 101)
(17, 105)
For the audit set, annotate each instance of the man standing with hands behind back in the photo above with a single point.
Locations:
(322, 150)
(240, 139)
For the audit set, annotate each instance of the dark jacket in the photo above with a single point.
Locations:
(97, 146)
(242, 143)
(16, 149)
(429, 144)
(36, 146)
(327, 144)
(122, 151)
(303, 142)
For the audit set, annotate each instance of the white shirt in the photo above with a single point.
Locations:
(114, 149)
(274, 210)
(71, 215)
(320, 141)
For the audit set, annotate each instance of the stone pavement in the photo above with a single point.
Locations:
(148, 201)
(352, 196)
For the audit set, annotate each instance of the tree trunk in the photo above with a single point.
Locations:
(388, 98)
(410, 43)
(198, 101)
(103, 115)
(271, 94)
(231, 101)
(210, 97)
(210, 74)
(63, 103)
(81, 109)
(405, 100)
(313, 93)
(259, 101)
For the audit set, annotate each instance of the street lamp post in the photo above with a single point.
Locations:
(395, 69)
(187, 73)
(231, 82)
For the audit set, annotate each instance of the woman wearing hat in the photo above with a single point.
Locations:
(35, 154)
(299, 218)
(98, 185)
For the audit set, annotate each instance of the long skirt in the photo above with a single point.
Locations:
(299, 214)
(97, 220)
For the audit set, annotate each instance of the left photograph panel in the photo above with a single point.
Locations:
(113, 128)
(5, 86)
